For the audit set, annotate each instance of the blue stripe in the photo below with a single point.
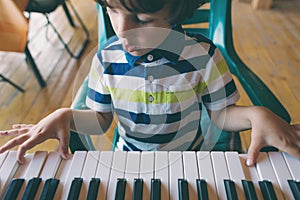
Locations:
(123, 69)
(160, 71)
(222, 93)
(98, 97)
(164, 137)
(143, 118)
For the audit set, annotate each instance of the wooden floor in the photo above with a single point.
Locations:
(268, 41)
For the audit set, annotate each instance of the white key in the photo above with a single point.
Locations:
(265, 171)
(132, 171)
(282, 173)
(220, 171)
(161, 171)
(293, 165)
(175, 173)
(251, 175)
(62, 174)
(51, 166)
(103, 172)
(3, 157)
(36, 164)
(89, 171)
(8, 170)
(49, 170)
(74, 171)
(206, 173)
(190, 169)
(117, 171)
(21, 171)
(235, 172)
(146, 172)
(34, 169)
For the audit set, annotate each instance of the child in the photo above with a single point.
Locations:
(156, 78)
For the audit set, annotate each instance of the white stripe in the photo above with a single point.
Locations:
(223, 103)
(218, 84)
(97, 107)
(113, 56)
(193, 51)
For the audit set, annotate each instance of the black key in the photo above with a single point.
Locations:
(93, 189)
(295, 187)
(75, 189)
(230, 190)
(137, 189)
(202, 189)
(13, 189)
(49, 189)
(31, 189)
(155, 193)
(267, 190)
(121, 187)
(249, 190)
(183, 189)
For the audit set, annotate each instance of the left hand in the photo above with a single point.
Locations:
(270, 130)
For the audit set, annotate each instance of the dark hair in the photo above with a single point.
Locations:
(182, 9)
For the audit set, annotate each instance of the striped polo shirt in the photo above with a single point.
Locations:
(158, 97)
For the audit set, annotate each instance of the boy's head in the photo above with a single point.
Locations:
(143, 24)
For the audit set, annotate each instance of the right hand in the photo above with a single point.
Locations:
(56, 125)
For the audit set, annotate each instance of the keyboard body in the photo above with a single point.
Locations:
(149, 175)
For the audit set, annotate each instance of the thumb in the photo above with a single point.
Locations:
(253, 152)
(64, 146)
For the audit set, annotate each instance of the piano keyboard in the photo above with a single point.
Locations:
(149, 175)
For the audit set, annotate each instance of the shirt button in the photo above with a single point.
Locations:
(149, 57)
(150, 78)
(151, 98)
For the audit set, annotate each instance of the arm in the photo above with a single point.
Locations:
(57, 125)
(267, 129)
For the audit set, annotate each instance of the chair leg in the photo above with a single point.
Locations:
(12, 83)
(64, 5)
(36, 71)
(87, 39)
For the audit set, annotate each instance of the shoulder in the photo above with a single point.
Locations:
(112, 51)
(199, 38)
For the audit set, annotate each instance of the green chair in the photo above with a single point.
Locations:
(218, 17)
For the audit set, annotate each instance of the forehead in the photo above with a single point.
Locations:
(139, 6)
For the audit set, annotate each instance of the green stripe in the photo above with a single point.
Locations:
(140, 96)
(217, 71)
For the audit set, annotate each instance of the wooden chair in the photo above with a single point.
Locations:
(46, 7)
(13, 36)
(217, 17)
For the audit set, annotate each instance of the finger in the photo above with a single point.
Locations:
(253, 152)
(13, 142)
(16, 126)
(9, 132)
(14, 132)
(29, 143)
(64, 144)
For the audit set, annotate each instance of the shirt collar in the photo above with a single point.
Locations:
(170, 48)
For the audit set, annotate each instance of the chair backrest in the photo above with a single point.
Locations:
(215, 16)
(213, 19)
(13, 27)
